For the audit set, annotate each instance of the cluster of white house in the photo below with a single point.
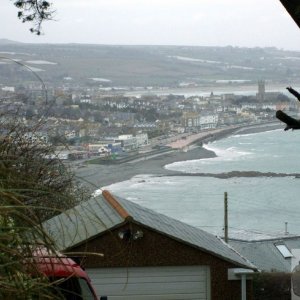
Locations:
(201, 121)
(117, 145)
(125, 142)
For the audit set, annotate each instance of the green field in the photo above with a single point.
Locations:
(146, 65)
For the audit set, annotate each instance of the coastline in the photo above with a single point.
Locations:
(99, 176)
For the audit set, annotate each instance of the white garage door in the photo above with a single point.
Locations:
(152, 283)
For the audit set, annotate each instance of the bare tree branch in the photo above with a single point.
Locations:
(34, 12)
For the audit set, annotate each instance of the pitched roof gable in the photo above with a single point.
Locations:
(105, 212)
(264, 253)
(83, 222)
(183, 232)
(115, 204)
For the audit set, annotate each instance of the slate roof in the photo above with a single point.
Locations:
(264, 253)
(82, 222)
(105, 212)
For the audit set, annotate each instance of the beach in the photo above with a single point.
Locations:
(96, 176)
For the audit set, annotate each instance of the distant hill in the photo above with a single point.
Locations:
(6, 41)
(146, 65)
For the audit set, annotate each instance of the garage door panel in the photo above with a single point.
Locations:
(155, 283)
(153, 279)
(160, 297)
(164, 271)
(148, 288)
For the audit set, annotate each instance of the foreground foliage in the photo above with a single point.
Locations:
(272, 286)
(34, 186)
(30, 169)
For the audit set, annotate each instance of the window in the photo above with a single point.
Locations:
(285, 252)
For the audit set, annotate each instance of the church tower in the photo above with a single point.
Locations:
(261, 90)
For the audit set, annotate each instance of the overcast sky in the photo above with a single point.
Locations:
(244, 23)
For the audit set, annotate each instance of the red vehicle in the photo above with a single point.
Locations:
(69, 280)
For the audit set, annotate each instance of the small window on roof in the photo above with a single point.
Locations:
(285, 252)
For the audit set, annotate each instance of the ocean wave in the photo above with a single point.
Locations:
(228, 153)
(189, 166)
(256, 215)
(243, 135)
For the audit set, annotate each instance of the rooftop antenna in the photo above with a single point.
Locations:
(286, 228)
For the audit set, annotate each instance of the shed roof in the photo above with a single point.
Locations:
(83, 222)
(264, 253)
(105, 212)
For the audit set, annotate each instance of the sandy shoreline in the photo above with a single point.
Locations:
(98, 176)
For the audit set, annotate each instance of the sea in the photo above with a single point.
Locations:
(258, 207)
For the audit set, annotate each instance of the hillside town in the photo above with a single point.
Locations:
(113, 125)
(148, 151)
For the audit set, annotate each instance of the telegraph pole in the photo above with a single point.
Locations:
(226, 217)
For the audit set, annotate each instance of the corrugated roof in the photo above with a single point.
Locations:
(106, 211)
(183, 232)
(264, 253)
(82, 222)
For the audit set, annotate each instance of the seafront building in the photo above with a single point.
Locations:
(84, 118)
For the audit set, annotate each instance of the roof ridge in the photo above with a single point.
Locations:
(116, 204)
